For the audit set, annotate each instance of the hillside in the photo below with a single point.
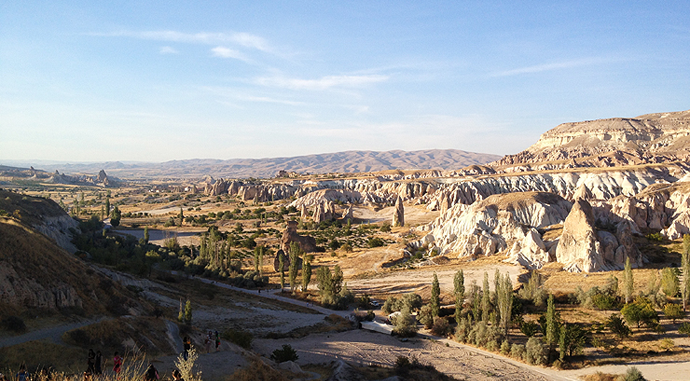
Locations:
(342, 162)
(35, 273)
(651, 138)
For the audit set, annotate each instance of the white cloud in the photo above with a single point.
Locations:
(550, 67)
(167, 50)
(246, 40)
(322, 83)
(223, 52)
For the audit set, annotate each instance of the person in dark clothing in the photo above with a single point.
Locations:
(186, 345)
(151, 373)
(98, 365)
(91, 362)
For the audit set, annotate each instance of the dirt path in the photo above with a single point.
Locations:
(53, 334)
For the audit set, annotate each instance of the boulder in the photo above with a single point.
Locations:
(578, 248)
(399, 213)
(306, 243)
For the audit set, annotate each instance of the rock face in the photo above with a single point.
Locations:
(399, 213)
(581, 248)
(17, 290)
(306, 243)
(615, 141)
(500, 222)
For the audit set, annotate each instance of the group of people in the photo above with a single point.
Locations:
(211, 338)
(94, 364)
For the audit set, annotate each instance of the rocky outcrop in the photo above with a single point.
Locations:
(16, 289)
(496, 224)
(398, 213)
(306, 243)
(58, 228)
(581, 248)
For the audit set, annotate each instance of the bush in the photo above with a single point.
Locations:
(505, 348)
(673, 311)
(535, 352)
(517, 351)
(633, 374)
(241, 338)
(440, 327)
(287, 353)
(684, 328)
(376, 242)
(462, 331)
(529, 328)
(604, 302)
(670, 284)
(425, 316)
(14, 324)
(617, 326)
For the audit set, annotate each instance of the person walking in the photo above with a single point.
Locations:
(117, 364)
(217, 341)
(91, 362)
(151, 373)
(186, 346)
(98, 364)
(23, 375)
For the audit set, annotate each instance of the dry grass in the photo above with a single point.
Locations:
(37, 354)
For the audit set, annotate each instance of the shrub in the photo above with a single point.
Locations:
(633, 374)
(684, 328)
(673, 311)
(241, 338)
(505, 348)
(462, 330)
(376, 242)
(529, 328)
(425, 317)
(535, 352)
(517, 351)
(640, 312)
(654, 237)
(492, 346)
(286, 353)
(617, 326)
(670, 284)
(604, 301)
(440, 327)
(14, 324)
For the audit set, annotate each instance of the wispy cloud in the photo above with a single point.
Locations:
(551, 67)
(223, 52)
(167, 50)
(322, 83)
(246, 40)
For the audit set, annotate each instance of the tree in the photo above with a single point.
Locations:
(337, 279)
(669, 282)
(180, 314)
(504, 299)
(628, 281)
(685, 258)
(617, 326)
(256, 258)
(107, 207)
(572, 339)
(640, 312)
(673, 311)
(146, 234)
(551, 323)
(459, 290)
(486, 298)
(261, 261)
(404, 323)
(115, 217)
(281, 263)
(295, 252)
(324, 278)
(188, 312)
(181, 217)
(306, 273)
(434, 303)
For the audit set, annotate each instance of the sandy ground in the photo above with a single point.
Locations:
(403, 281)
(364, 348)
(414, 214)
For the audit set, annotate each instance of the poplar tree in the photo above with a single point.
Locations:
(107, 207)
(551, 328)
(146, 234)
(628, 281)
(504, 298)
(294, 255)
(188, 312)
(306, 273)
(486, 298)
(459, 290)
(685, 258)
(435, 294)
(281, 263)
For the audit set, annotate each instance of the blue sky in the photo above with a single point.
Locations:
(157, 81)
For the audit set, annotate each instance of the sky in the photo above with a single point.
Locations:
(92, 81)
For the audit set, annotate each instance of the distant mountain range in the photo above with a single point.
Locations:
(342, 162)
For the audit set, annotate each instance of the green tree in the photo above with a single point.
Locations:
(434, 303)
(504, 299)
(673, 312)
(486, 298)
(146, 234)
(669, 282)
(617, 326)
(551, 323)
(295, 252)
(628, 281)
(640, 312)
(572, 339)
(281, 263)
(181, 217)
(180, 314)
(324, 278)
(306, 273)
(459, 291)
(685, 258)
(115, 217)
(107, 207)
(188, 312)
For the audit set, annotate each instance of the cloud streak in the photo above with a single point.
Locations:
(167, 50)
(323, 83)
(223, 52)
(550, 67)
(246, 40)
